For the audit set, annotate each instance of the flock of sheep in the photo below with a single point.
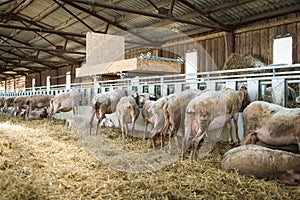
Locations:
(194, 111)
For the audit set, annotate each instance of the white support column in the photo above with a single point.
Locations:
(95, 83)
(231, 84)
(164, 88)
(178, 88)
(68, 81)
(48, 84)
(253, 89)
(151, 89)
(33, 84)
(211, 85)
(279, 86)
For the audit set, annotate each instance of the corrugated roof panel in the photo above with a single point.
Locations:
(37, 7)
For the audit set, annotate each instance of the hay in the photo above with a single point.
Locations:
(238, 61)
(43, 161)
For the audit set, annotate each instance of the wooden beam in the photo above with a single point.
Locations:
(268, 25)
(6, 2)
(225, 5)
(266, 15)
(109, 21)
(206, 15)
(76, 17)
(196, 39)
(141, 12)
(27, 44)
(10, 26)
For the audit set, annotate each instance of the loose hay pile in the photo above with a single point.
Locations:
(239, 61)
(43, 161)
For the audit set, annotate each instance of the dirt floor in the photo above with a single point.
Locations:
(39, 160)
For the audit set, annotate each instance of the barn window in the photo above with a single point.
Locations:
(283, 50)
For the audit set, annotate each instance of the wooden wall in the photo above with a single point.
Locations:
(257, 38)
(213, 49)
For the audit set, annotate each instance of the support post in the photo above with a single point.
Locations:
(48, 84)
(68, 81)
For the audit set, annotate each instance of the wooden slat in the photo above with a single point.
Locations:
(202, 56)
(292, 29)
(272, 34)
(242, 43)
(196, 39)
(208, 55)
(268, 25)
(256, 43)
(221, 52)
(298, 43)
(264, 45)
(214, 54)
(248, 38)
(237, 44)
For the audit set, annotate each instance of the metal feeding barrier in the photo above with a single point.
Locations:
(150, 57)
(256, 79)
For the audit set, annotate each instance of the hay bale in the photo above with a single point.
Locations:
(239, 61)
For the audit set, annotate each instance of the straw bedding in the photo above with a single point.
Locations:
(39, 160)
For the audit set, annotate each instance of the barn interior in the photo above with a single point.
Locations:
(155, 46)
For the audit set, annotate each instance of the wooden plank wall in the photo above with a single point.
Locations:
(253, 38)
(257, 38)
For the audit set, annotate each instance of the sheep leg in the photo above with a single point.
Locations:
(235, 120)
(229, 126)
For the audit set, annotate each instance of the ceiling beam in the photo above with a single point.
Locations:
(152, 43)
(40, 61)
(225, 5)
(6, 2)
(27, 44)
(20, 56)
(39, 25)
(144, 13)
(172, 4)
(10, 26)
(274, 13)
(204, 14)
(75, 16)
(41, 49)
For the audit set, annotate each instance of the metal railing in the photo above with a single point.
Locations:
(278, 77)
